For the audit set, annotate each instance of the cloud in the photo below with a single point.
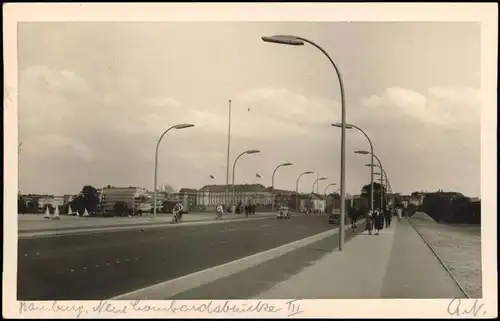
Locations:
(53, 144)
(115, 121)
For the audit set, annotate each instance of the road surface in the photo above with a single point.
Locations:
(103, 265)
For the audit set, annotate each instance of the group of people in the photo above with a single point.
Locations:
(378, 219)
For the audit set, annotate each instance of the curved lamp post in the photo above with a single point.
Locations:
(247, 152)
(387, 183)
(272, 181)
(332, 184)
(299, 41)
(364, 152)
(350, 126)
(385, 176)
(179, 126)
(316, 181)
(297, 189)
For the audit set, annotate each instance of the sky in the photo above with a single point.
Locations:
(95, 97)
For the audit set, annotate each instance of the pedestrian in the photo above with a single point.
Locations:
(369, 222)
(379, 221)
(354, 218)
(388, 217)
(399, 213)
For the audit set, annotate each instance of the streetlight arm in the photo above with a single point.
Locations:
(234, 167)
(274, 172)
(371, 169)
(331, 61)
(156, 167)
(159, 141)
(342, 144)
(343, 128)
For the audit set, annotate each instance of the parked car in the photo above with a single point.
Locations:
(334, 218)
(284, 213)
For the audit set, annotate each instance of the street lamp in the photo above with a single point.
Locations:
(332, 184)
(179, 126)
(272, 181)
(316, 181)
(248, 152)
(364, 152)
(299, 41)
(351, 126)
(297, 189)
(386, 179)
(227, 156)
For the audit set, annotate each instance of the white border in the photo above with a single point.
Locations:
(486, 13)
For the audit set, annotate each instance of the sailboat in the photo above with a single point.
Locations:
(47, 213)
(56, 213)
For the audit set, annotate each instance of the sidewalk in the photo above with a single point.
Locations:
(36, 223)
(396, 264)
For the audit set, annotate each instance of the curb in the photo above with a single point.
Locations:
(184, 283)
(31, 234)
(440, 260)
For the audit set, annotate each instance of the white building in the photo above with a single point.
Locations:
(132, 196)
(51, 200)
(212, 195)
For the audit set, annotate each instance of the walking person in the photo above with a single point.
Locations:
(399, 213)
(369, 222)
(379, 221)
(388, 217)
(354, 218)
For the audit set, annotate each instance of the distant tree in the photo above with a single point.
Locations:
(21, 205)
(398, 200)
(90, 198)
(120, 209)
(377, 188)
(166, 188)
(32, 206)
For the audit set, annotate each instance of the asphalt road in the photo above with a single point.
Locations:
(251, 282)
(103, 265)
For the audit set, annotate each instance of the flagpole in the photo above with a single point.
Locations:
(228, 152)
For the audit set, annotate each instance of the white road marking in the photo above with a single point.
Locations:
(166, 290)
(72, 270)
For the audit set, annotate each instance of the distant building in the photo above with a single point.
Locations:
(212, 195)
(51, 200)
(188, 197)
(68, 198)
(132, 196)
(314, 202)
(284, 197)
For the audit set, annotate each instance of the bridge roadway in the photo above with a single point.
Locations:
(105, 264)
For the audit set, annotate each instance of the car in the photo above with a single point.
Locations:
(284, 213)
(334, 218)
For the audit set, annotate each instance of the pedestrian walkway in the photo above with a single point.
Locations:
(395, 264)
